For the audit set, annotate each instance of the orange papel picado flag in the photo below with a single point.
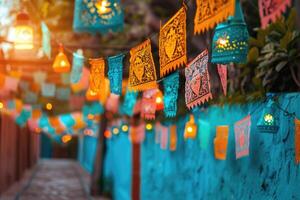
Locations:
(97, 75)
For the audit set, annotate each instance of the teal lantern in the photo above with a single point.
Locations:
(268, 122)
(230, 41)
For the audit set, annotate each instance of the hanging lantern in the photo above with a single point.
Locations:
(190, 130)
(159, 100)
(268, 122)
(22, 34)
(66, 138)
(61, 63)
(230, 41)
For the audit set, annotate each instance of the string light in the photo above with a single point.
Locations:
(125, 128)
(107, 134)
(66, 138)
(149, 127)
(61, 63)
(1, 105)
(115, 131)
(49, 106)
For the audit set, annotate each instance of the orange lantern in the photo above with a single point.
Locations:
(220, 142)
(66, 138)
(61, 63)
(36, 114)
(159, 100)
(190, 130)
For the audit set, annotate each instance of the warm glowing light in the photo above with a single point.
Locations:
(149, 127)
(190, 129)
(38, 130)
(61, 63)
(222, 41)
(49, 106)
(1, 105)
(66, 138)
(103, 7)
(124, 128)
(91, 116)
(115, 131)
(107, 134)
(88, 132)
(158, 100)
(269, 119)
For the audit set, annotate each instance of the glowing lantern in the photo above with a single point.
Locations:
(159, 100)
(190, 130)
(49, 106)
(66, 138)
(221, 142)
(268, 122)
(149, 127)
(22, 34)
(124, 128)
(61, 63)
(230, 41)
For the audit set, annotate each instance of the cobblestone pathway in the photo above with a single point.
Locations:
(53, 180)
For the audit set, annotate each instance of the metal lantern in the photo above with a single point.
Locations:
(22, 34)
(61, 63)
(230, 41)
(268, 122)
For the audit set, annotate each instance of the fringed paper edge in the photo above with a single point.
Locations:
(199, 101)
(143, 86)
(212, 22)
(172, 66)
(272, 18)
(140, 46)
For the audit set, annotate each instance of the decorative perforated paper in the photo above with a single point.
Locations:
(46, 41)
(197, 85)
(270, 10)
(171, 85)
(142, 73)
(297, 141)
(11, 83)
(172, 43)
(149, 104)
(115, 72)
(97, 75)
(39, 77)
(222, 70)
(211, 12)
(112, 103)
(129, 103)
(242, 137)
(77, 65)
(220, 142)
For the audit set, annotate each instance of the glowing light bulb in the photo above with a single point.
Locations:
(66, 138)
(190, 129)
(149, 127)
(49, 106)
(158, 100)
(124, 128)
(107, 134)
(1, 105)
(115, 131)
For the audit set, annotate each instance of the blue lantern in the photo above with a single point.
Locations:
(230, 41)
(268, 122)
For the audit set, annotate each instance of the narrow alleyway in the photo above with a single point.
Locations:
(52, 180)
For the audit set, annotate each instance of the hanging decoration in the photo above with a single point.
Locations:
(46, 40)
(211, 12)
(171, 86)
(83, 83)
(30, 97)
(129, 102)
(220, 142)
(173, 138)
(271, 10)
(190, 130)
(97, 75)
(25, 114)
(39, 77)
(297, 141)
(230, 41)
(149, 104)
(268, 122)
(61, 63)
(99, 16)
(104, 94)
(77, 65)
(11, 84)
(172, 43)
(76, 102)
(115, 72)
(63, 93)
(65, 78)
(159, 100)
(112, 103)
(91, 95)
(142, 73)
(137, 133)
(197, 84)
(203, 133)
(242, 137)
(48, 90)
(222, 70)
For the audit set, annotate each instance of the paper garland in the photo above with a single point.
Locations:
(197, 85)
(112, 103)
(129, 103)
(63, 93)
(46, 41)
(142, 73)
(242, 137)
(77, 65)
(222, 70)
(220, 142)
(171, 86)
(297, 141)
(97, 75)
(270, 10)
(211, 12)
(149, 104)
(172, 43)
(11, 83)
(48, 90)
(39, 77)
(115, 72)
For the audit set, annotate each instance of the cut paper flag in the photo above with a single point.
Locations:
(149, 104)
(46, 41)
(129, 103)
(203, 134)
(11, 84)
(104, 92)
(173, 138)
(172, 43)
(242, 137)
(115, 72)
(83, 83)
(48, 90)
(25, 114)
(112, 103)
(97, 75)
(30, 97)
(171, 86)
(220, 142)
(197, 85)
(297, 141)
(65, 78)
(98, 16)
(271, 10)
(63, 93)
(222, 70)
(142, 73)
(39, 77)
(77, 65)
(211, 12)
(137, 133)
